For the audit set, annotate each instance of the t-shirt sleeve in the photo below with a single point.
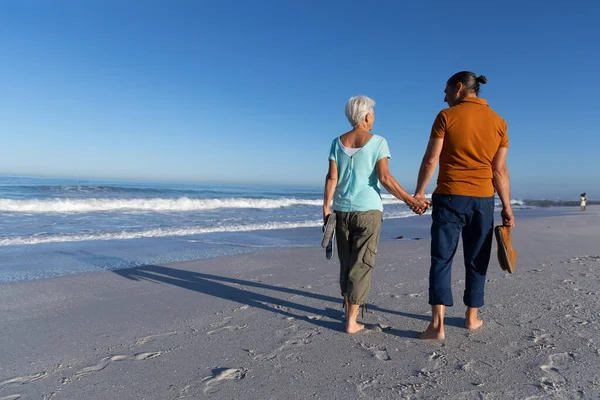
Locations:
(332, 152)
(384, 150)
(503, 134)
(438, 130)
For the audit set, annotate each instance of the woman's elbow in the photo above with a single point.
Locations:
(385, 179)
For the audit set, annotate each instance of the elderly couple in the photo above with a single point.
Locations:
(470, 142)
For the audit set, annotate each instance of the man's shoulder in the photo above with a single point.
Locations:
(446, 112)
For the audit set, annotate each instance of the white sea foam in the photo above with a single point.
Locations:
(68, 206)
(151, 233)
(165, 232)
(182, 204)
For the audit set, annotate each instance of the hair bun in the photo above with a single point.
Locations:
(481, 79)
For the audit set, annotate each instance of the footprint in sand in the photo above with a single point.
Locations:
(553, 379)
(286, 331)
(107, 360)
(379, 352)
(151, 338)
(223, 322)
(513, 350)
(299, 340)
(370, 383)
(142, 356)
(408, 390)
(211, 384)
(541, 340)
(435, 361)
(93, 368)
(22, 380)
(277, 306)
(227, 328)
(577, 320)
(380, 327)
(222, 374)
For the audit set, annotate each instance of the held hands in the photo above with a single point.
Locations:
(420, 204)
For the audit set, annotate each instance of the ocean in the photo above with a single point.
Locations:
(54, 227)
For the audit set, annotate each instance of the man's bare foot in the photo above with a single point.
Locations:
(472, 320)
(473, 323)
(431, 333)
(354, 328)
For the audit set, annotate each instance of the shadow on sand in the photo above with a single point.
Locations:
(237, 290)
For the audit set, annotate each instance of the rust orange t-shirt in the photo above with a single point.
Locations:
(472, 134)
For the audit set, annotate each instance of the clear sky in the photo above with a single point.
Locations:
(254, 91)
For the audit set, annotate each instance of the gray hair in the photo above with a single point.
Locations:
(357, 109)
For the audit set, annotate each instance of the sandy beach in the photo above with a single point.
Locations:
(268, 325)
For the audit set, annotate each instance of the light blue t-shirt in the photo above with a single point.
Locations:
(358, 185)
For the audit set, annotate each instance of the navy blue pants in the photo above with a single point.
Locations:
(474, 217)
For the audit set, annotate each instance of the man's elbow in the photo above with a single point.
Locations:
(330, 178)
(500, 173)
(429, 163)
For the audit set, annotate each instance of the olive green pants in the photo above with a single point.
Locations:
(357, 236)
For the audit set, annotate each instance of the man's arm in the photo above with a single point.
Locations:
(502, 184)
(428, 165)
(330, 184)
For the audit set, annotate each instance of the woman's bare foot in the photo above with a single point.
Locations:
(346, 308)
(432, 333)
(354, 328)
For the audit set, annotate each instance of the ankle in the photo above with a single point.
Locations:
(436, 325)
(472, 314)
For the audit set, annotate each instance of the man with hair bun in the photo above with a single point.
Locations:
(470, 142)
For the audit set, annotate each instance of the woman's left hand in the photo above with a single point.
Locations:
(326, 212)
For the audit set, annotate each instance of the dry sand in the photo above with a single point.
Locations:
(268, 326)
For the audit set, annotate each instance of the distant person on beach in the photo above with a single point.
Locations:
(358, 162)
(470, 142)
(583, 201)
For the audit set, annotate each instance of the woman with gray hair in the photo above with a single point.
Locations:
(358, 162)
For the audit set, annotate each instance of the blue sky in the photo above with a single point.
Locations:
(254, 92)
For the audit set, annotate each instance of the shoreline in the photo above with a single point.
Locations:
(20, 263)
(269, 325)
